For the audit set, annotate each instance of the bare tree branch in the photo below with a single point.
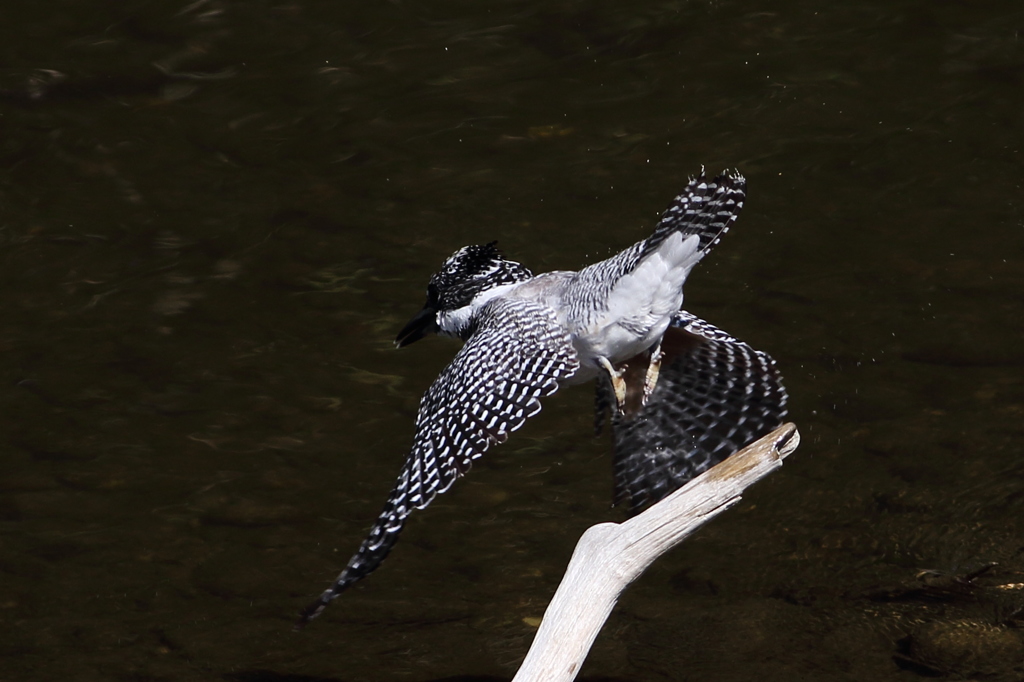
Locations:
(609, 556)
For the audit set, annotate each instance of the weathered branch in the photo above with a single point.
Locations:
(609, 556)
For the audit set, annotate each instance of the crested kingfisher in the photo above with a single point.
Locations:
(682, 395)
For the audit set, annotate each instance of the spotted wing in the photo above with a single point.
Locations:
(715, 395)
(706, 208)
(517, 354)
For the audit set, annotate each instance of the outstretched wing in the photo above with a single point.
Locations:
(706, 208)
(517, 354)
(715, 395)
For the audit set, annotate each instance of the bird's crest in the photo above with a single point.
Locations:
(469, 272)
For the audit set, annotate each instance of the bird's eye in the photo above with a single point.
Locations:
(432, 295)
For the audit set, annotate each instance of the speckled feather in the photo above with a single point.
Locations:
(527, 335)
(689, 212)
(706, 208)
(492, 386)
(469, 271)
(713, 398)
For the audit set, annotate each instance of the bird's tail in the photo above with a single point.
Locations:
(715, 395)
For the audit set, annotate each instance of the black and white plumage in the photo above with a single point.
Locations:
(715, 395)
(683, 394)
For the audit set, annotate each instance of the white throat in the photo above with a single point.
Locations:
(453, 322)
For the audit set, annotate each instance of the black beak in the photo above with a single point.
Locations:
(425, 322)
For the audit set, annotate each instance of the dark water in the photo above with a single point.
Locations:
(215, 216)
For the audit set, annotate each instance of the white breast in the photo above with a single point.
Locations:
(641, 304)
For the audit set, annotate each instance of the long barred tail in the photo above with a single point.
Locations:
(715, 395)
(365, 561)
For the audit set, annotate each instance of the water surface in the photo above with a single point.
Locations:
(214, 217)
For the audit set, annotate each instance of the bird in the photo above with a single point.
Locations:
(681, 395)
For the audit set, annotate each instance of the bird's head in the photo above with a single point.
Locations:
(461, 284)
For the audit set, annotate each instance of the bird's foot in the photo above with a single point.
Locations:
(653, 369)
(618, 383)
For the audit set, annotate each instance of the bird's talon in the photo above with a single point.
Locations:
(618, 383)
(653, 369)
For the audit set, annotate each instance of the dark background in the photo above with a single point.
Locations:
(215, 216)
